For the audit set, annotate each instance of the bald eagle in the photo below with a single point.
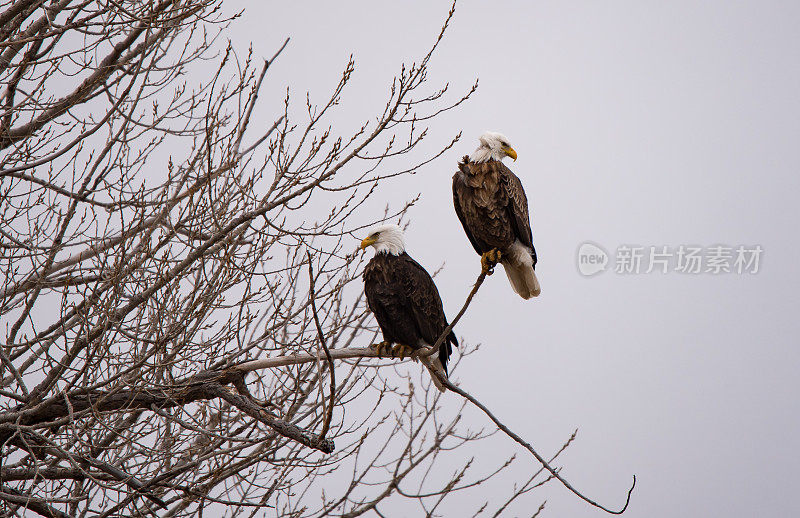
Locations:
(405, 301)
(493, 209)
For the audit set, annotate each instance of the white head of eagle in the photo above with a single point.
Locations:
(386, 239)
(494, 146)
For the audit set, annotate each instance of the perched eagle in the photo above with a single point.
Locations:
(493, 209)
(405, 301)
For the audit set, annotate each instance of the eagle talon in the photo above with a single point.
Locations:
(489, 260)
(401, 351)
(486, 268)
(382, 348)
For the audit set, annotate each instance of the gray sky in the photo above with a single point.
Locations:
(636, 122)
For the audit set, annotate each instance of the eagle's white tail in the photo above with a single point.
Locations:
(434, 365)
(519, 268)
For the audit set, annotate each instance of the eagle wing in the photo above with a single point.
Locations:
(517, 207)
(424, 300)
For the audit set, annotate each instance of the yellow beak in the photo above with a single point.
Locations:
(366, 242)
(513, 154)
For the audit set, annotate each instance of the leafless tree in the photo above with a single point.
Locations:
(182, 306)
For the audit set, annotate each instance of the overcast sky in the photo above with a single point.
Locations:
(636, 123)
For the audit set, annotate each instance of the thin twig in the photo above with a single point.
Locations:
(10, 366)
(246, 119)
(528, 447)
(312, 296)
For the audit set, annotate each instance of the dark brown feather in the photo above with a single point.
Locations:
(492, 206)
(406, 303)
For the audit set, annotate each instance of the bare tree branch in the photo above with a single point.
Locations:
(159, 216)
